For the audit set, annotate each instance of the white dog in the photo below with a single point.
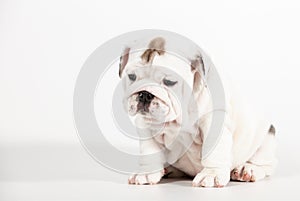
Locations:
(172, 104)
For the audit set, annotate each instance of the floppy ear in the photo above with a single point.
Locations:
(123, 60)
(198, 69)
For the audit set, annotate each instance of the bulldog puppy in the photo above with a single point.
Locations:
(170, 99)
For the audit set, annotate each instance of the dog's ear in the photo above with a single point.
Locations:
(155, 47)
(123, 60)
(198, 69)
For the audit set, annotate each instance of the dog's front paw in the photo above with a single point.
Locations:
(151, 178)
(212, 177)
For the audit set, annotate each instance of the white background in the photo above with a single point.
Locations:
(43, 45)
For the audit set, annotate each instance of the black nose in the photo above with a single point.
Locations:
(145, 96)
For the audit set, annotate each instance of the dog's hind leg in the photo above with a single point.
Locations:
(261, 164)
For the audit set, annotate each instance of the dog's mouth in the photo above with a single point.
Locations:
(152, 101)
(147, 104)
(144, 99)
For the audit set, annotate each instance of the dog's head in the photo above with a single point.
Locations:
(158, 84)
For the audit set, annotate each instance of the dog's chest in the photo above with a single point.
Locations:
(186, 160)
(190, 161)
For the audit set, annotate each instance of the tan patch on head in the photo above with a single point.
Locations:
(156, 47)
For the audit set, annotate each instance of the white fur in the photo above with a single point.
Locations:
(244, 145)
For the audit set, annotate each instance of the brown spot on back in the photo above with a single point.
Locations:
(272, 130)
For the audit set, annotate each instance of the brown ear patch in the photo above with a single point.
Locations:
(155, 47)
(197, 81)
(197, 64)
(197, 67)
(123, 60)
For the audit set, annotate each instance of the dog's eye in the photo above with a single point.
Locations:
(132, 77)
(169, 83)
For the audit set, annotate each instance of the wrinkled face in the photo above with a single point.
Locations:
(153, 91)
(157, 83)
